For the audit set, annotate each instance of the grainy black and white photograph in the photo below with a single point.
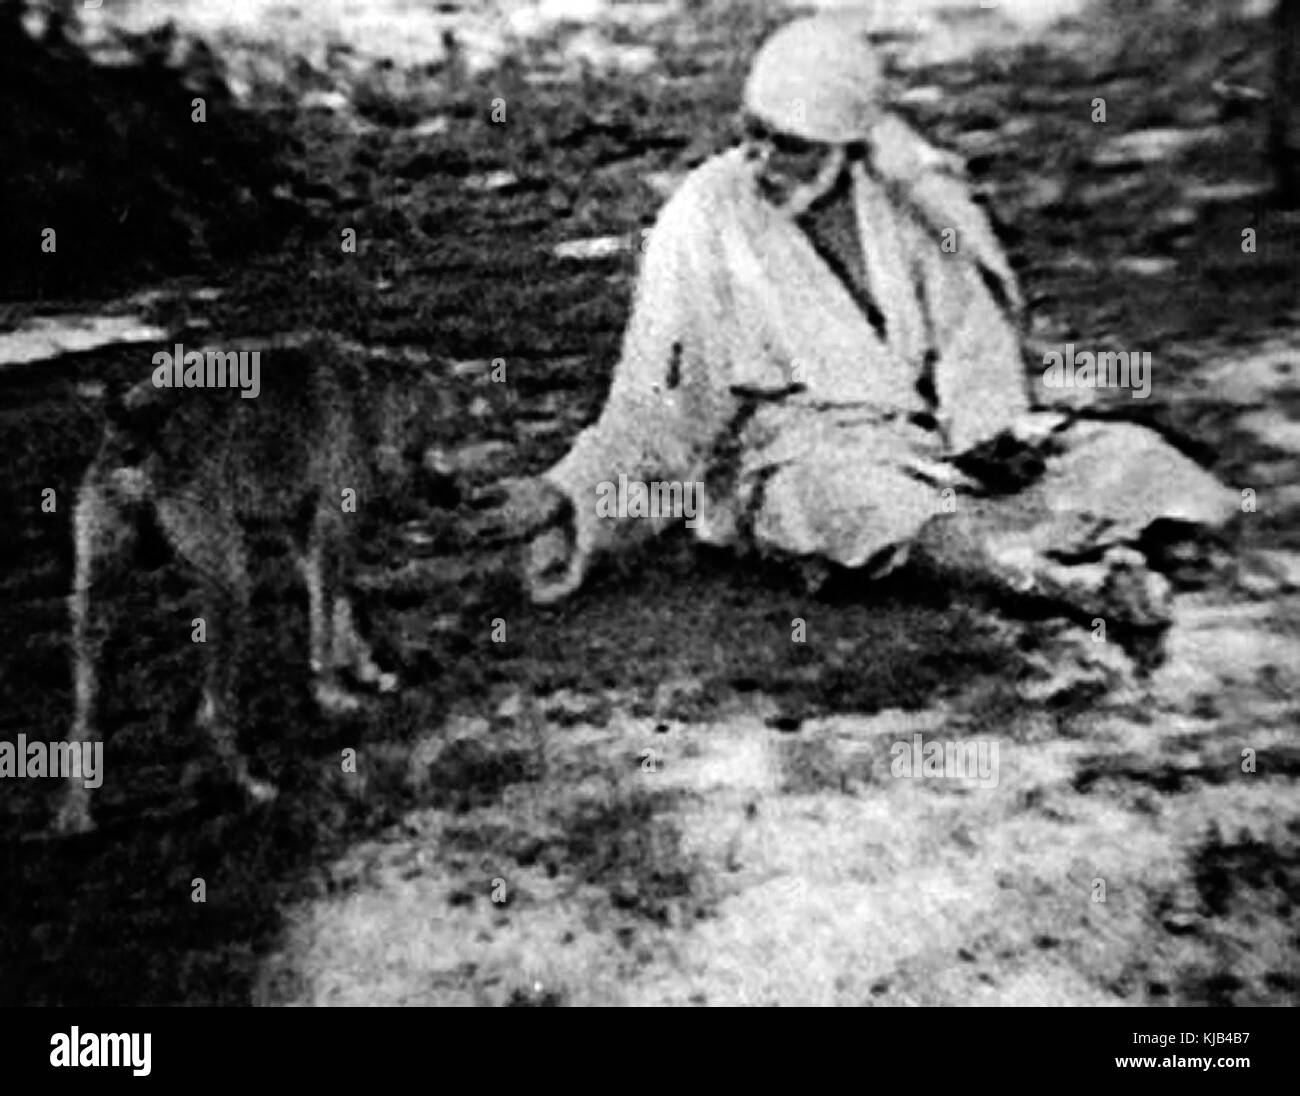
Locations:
(667, 503)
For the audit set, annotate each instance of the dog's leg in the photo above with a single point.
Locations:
(220, 699)
(353, 654)
(101, 532)
(327, 648)
(209, 539)
(309, 566)
(221, 689)
(350, 654)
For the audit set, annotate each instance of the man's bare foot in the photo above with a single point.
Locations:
(1119, 589)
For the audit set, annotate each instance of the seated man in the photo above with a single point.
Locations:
(824, 345)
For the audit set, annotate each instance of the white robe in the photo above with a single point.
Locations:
(748, 368)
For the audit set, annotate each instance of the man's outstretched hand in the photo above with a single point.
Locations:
(532, 511)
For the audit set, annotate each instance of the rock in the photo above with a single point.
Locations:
(980, 142)
(1285, 499)
(925, 95)
(592, 48)
(492, 180)
(1074, 665)
(335, 102)
(539, 429)
(595, 247)
(478, 457)
(1274, 427)
(430, 127)
(477, 367)
(1149, 146)
(50, 336)
(1265, 573)
(1071, 264)
(625, 894)
(1111, 191)
(568, 706)
(1210, 645)
(1181, 922)
(1238, 190)
(1278, 475)
(1126, 590)
(511, 707)
(1238, 93)
(536, 19)
(418, 539)
(1177, 217)
(1043, 193)
(1258, 377)
(1146, 266)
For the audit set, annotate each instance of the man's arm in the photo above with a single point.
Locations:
(979, 378)
(657, 415)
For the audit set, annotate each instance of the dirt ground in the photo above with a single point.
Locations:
(651, 795)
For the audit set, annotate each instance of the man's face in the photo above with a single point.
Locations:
(781, 163)
(792, 173)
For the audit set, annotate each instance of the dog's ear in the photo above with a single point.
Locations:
(135, 419)
(141, 403)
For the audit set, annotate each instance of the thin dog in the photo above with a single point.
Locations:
(324, 438)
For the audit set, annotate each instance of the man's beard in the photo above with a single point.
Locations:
(804, 196)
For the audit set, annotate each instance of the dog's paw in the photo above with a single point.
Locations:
(73, 818)
(374, 679)
(366, 673)
(333, 699)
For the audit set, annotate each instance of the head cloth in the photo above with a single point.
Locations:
(817, 78)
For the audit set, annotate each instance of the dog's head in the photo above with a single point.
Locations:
(406, 414)
(407, 408)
